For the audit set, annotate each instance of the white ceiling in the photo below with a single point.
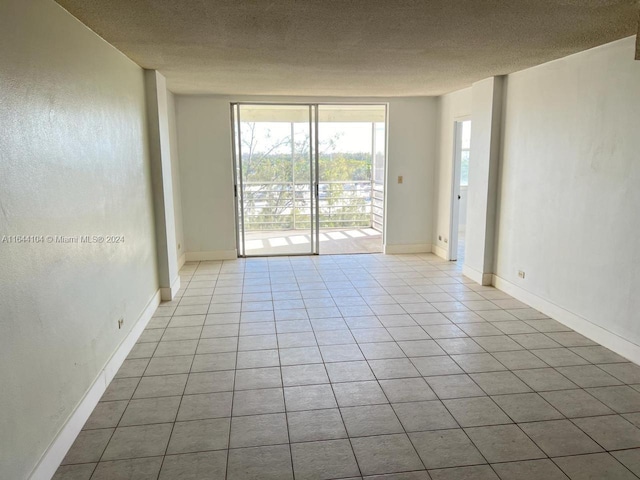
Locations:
(349, 47)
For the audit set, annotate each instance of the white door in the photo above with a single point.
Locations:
(459, 186)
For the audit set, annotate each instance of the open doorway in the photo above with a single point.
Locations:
(459, 188)
(309, 178)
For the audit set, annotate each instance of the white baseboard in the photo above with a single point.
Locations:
(213, 255)
(598, 334)
(181, 261)
(477, 276)
(410, 248)
(441, 252)
(169, 293)
(55, 453)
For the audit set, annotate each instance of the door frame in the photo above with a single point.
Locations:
(315, 169)
(236, 140)
(455, 186)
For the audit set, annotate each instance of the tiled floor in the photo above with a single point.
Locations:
(357, 366)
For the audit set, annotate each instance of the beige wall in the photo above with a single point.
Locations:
(73, 161)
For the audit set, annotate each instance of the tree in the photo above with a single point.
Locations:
(277, 184)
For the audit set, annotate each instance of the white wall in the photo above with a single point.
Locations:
(206, 176)
(73, 161)
(569, 204)
(162, 182)
(451, 108)
(482, 194)
(462, 218)
(411, 153)
(204, 149)
(175, 176)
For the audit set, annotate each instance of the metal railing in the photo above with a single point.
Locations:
(287, 205)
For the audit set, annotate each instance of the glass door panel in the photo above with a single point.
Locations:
(274, 154)
(351, 151)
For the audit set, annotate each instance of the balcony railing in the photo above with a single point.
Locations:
(287, 205)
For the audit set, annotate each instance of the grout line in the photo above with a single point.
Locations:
(390, 272)
(337, 407)
(181, 397)
(233, 390)
(377, 380)
(284, 404)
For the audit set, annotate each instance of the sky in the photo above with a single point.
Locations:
(349, 136)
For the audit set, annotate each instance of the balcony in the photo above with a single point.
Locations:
(277, 217)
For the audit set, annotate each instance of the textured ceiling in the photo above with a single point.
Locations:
(349, 47)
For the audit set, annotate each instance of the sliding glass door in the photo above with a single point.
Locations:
(352, 153)
(275, 160)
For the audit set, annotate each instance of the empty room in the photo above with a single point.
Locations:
(319, 239)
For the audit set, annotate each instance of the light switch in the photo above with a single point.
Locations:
(400, 179)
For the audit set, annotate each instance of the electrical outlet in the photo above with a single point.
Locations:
(120, 323)
(521, 273)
